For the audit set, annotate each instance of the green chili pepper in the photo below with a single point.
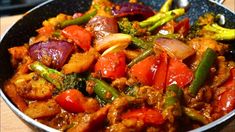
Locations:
(142, 56)
(202, 71)
(172, 100)
(102, 89)
(195, 115)
(80, 20)
(51, 75)
(141, 43)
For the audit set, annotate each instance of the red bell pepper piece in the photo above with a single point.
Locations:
(111, 65)
(46, 30)
(178, 73)
(182, 27)
(79, 35)
(231, 81)
(71, 100)
(147, 115)
(161, 73)
(144, 70)
(226, 100)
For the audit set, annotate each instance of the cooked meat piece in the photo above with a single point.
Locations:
(80, 62)
(120, 83)
(17, 54)
(200, 45)
(127, 125)
(91, 122)
(42, 109)
(10, 90)
(33, 87)
(222, 73)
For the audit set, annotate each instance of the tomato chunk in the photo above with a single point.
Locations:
(178, 73)
(182, 27)
(71, 100)
(227, 100)
(144, 70)
(79, 35)
(111, 65)
(161, 73)
(147, 115)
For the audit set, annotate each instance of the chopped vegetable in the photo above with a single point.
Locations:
(80, 20)
(178, 73)
(162, 18)
(79, 35)
(166, 6)
(71, 100)
(202, 71)
(182, 27)
(142, 56)
(111, 65)
(226, 100)
(53, 53)
(144, 70)
(112, 39)
(127, 8)
(175, 48)
(104, 91)
(161, 72)
(61, 81)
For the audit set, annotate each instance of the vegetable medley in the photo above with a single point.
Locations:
(125, 67)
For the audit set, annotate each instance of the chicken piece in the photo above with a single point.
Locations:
(10, 90)
(17, 54)
(42, 109)
(91, 122)
(80, 62)
(200, 45)
(33, 87)
(127, 125)
(222, 73)
(119, 83)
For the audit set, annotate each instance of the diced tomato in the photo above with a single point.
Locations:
(226, 101)
(111, 65)
(161, 73)
(178, 73)
(71, 100)
(144, 70)
(231, 81)
(148, 116)
(182, 27)
(46, 30)
(79, 35)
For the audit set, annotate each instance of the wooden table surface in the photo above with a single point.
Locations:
(11, 123)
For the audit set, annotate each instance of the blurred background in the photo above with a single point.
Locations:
(12, 7)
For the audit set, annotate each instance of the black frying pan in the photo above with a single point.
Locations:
(25, 28)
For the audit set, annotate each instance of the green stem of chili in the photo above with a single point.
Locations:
(195, 115)
(104, 91)
(80, 20)
(166, 6)
(202, 71)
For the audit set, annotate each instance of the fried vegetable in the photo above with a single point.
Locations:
(195, 115)
(142, 56)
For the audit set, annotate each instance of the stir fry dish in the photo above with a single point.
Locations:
(124, 67)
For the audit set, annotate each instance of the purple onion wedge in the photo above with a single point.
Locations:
(126, 9)
(52, 53)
